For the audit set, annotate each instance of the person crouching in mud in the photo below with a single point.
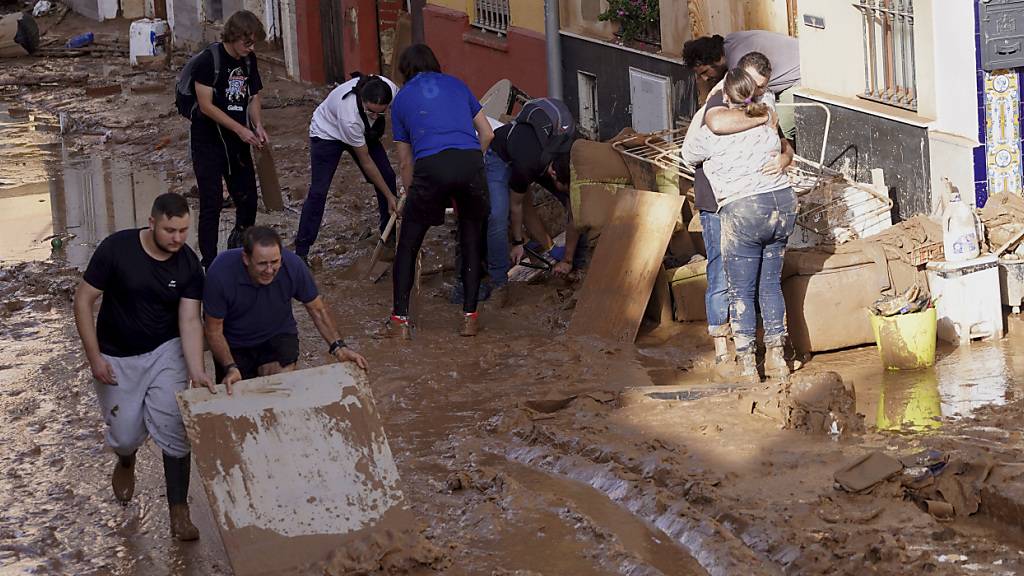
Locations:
(758, 214)
(436, 121)
(146, 345)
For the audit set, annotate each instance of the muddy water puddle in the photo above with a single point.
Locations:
(58, 205)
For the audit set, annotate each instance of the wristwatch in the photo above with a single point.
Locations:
(518, 242)
(230, 366)
(339, 343)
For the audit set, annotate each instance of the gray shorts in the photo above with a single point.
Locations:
(143, 401)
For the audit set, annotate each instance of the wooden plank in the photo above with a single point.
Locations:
(270, 187)
(626, 264)
(294, 465)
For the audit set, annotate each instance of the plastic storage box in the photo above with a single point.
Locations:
(1011, 283)
(146, 38)
(968, 301)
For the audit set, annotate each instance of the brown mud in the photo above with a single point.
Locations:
(521, 451)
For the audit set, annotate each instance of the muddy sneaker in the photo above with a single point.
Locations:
(182, 527)
(398, 327)
(747, 363)
(775, 364)
(123, 478)
(470, 324)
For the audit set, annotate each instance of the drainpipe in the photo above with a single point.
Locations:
(553, 41)
(416, 12)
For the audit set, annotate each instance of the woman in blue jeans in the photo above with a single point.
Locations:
(757, 208)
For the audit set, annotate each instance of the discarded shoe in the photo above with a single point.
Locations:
(123, 478)
(470, 324)
(182, 527)
(398, 327)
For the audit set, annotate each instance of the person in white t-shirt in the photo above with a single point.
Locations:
(350, 119)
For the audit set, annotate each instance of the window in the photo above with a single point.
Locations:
(889, 72)
(492, 15)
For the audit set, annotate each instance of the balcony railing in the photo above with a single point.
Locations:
(492, 15)
(889, 70)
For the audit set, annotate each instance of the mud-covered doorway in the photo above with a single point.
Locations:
(332, 17)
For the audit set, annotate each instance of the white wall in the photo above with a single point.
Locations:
(832, 61)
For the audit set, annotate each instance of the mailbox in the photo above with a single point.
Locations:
(1002, 33)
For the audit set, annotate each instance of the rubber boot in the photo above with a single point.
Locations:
(123, 478)
(747, 362)
(470, 324)
(775, 364)
(176, 474)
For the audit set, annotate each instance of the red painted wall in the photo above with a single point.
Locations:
(311, 55)
(481, 58)
(360, 44)
(361, 49)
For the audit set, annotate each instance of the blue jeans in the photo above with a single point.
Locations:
(324, 156)
(498, 173)
(716, 299)
(754, 235)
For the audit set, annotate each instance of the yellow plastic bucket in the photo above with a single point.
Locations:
(905, 341)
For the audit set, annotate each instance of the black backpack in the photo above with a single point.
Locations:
(553, 124)
(184, 93)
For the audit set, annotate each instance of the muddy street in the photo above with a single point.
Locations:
(522, 451)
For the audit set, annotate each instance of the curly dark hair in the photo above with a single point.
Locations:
(703, 50)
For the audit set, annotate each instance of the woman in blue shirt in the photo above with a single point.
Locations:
(440, 133)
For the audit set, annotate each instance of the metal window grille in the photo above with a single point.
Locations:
(492, 15)
(889, 70)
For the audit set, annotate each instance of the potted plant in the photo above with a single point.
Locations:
(638, 19)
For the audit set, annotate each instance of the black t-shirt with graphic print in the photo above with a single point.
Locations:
(140, 293)
(238, 81)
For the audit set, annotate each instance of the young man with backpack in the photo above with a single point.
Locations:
(219, 92)
(532, 148)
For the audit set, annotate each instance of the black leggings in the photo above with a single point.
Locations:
(410, 239)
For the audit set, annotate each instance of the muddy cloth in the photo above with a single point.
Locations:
(862, 474)
(253, 313)
(143, 401)
(959, 484)
(141, 295)
(237, 81)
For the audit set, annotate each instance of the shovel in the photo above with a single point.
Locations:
(376, 274)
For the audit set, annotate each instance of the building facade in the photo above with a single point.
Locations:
(484, 41)
(904, 83)
(643, 84)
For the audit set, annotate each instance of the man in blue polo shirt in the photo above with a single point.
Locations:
(247, 302)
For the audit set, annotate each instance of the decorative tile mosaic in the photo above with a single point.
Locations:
(1002, 130)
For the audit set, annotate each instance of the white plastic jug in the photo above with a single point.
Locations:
(959, 230)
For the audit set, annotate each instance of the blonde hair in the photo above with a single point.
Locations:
(740, 88)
